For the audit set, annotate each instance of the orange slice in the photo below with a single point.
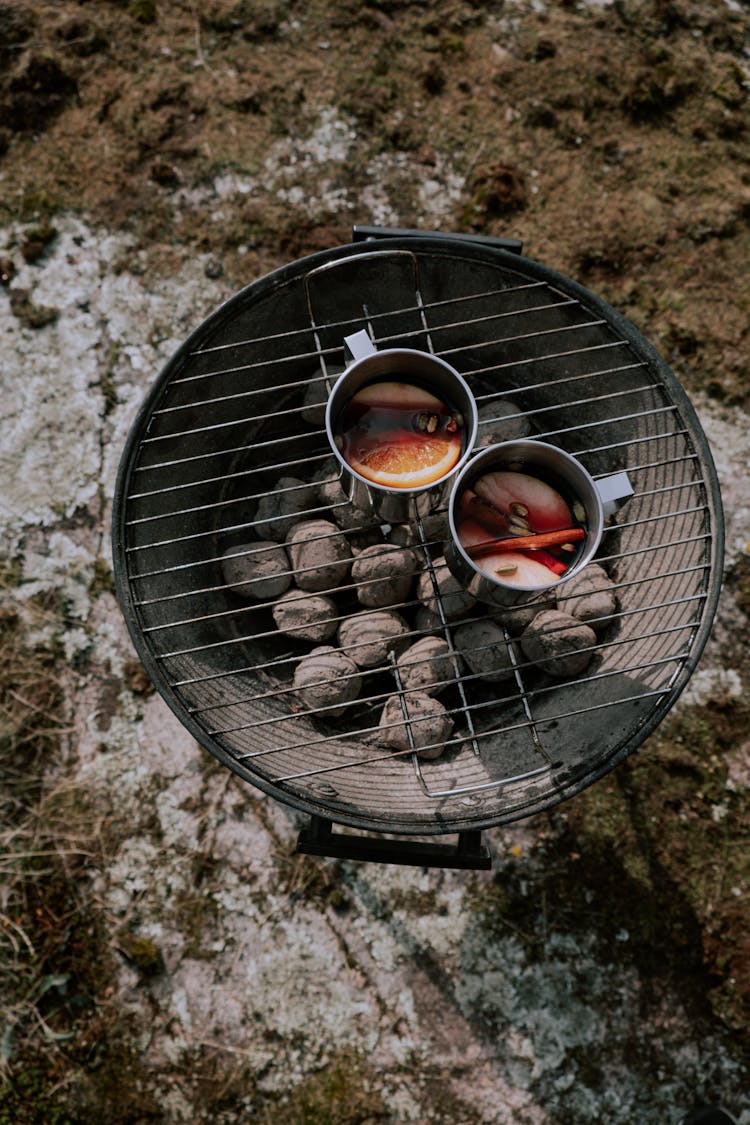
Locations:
(398, 459)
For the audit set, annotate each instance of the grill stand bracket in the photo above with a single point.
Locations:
(469, 853)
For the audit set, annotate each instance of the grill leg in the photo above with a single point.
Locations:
(468, 854)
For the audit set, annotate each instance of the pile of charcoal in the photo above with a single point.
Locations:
(363, 601)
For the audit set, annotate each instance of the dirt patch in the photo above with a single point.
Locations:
(624, 165)
(611, 139)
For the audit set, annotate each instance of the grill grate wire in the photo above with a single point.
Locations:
(196, 485)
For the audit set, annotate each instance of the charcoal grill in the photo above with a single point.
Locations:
(223, 425)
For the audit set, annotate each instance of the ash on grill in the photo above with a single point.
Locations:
(383, 604)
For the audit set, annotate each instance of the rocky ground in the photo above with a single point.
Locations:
(165, 957)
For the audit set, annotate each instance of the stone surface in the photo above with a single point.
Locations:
(456, 1001)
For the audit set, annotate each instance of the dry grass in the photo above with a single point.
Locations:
(46, 910)
(69, 1052)
(53, 958)
(342, 1093)
(31, 703)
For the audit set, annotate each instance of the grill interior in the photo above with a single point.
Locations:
(224, 425)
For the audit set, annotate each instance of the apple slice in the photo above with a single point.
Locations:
(516, 569)
(471, 534)
(520, 495)
(474, 509)
(391, 395)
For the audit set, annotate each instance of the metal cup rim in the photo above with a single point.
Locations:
(488, 454)
(383, 489)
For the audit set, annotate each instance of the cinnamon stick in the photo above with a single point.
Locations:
(526, 542)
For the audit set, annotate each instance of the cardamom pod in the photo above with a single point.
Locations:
(427, 423)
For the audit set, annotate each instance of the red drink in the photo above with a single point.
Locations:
(399, 435)
(519, 529)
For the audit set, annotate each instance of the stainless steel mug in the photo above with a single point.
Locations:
(546, 462)
(368, 365)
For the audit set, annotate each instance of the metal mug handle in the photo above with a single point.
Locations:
(613, 492)
(357, 346)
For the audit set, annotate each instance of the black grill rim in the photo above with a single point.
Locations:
(451, 247)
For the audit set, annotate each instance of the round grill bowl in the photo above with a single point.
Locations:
(223, 426)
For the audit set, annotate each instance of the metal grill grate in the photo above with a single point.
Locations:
(225, 426)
